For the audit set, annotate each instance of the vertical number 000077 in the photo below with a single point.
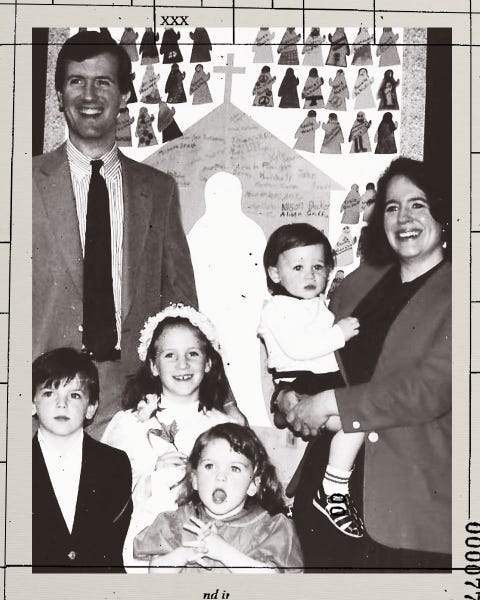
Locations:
(472, 555)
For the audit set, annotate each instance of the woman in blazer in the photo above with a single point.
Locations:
(398, 388)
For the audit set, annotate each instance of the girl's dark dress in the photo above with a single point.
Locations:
(324, 547)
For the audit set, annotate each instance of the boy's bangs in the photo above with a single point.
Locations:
(56, 382)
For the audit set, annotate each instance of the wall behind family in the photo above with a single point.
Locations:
(278, 182)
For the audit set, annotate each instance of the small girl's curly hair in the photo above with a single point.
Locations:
(244, 441)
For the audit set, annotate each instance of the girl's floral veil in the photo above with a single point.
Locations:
(177, 310)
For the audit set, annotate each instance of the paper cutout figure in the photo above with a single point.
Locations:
(362, 52)
(202, 46)
(333, 136)
(337, 280)
(385, 135)
(169, 47)
(387, 49)
(312, 50)
(128, 41)
(312, 90)
(106, 33)
(144, 131)
(339, 49)
(367, 201)
(123, 133)
(344, 248)
(339, 93)
(174, 85)
(227, 256)
(262, 89)
(305, 134)
(262, 48)
(288, 90)
(132, 98)
(166, 124)
(362, 91)
(359, 134)
(199, 86)
(288, 47)
(148, 48)
(351, 206)
(387, 92)
(149, 89)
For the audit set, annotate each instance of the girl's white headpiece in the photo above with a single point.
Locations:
(177, 310)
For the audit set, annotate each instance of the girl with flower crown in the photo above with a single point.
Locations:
(179, 392)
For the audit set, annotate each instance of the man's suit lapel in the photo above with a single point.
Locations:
(55, 187)
(137, 202)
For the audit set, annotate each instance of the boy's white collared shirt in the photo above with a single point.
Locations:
(64, 472)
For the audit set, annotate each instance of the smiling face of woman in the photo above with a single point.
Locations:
(411, 231)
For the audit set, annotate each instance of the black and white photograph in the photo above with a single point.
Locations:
(242, 300)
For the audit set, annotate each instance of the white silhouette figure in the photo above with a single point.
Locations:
(227, 251)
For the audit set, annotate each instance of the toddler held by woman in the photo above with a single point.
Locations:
(300, 338)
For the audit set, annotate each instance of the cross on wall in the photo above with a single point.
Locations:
(229, 71)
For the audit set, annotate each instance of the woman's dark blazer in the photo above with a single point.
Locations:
(405, 411)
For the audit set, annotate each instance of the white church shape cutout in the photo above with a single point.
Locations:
(276, 185)
(279, 185)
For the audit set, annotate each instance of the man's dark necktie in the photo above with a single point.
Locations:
(99, 325)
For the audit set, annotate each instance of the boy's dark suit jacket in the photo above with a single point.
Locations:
(102, 515)
(156, 265)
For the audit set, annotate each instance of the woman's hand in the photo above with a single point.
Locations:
(171, 459)
(311, 414)
(281, 405)
(285, 401)
(349, 327)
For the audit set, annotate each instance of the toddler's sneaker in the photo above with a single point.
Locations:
(341, 511)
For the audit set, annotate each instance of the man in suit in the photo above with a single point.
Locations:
(144, 252)
(81, 488)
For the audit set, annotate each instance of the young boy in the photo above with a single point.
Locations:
(81, 496)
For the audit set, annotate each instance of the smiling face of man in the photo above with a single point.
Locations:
(91, 100)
